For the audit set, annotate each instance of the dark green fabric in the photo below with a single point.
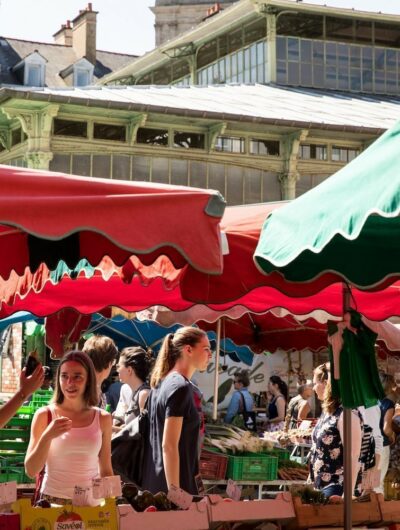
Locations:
(359, 382)
(348, 224)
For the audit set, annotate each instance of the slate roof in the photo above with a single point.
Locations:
(58, 58)
(285, 106)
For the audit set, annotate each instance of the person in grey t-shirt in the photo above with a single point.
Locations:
(172, 457)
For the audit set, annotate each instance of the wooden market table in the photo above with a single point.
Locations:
(262, 486)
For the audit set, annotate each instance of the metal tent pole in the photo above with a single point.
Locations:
(216, 375)
(347, 464)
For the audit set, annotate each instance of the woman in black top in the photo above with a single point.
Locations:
(134, 367)
(276, 409)
(172, 457)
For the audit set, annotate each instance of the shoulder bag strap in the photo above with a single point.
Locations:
(243, 402)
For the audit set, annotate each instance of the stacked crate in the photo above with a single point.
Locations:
(14, 439)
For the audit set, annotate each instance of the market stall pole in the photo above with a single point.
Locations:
(216, 373)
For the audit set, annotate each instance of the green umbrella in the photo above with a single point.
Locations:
(347, 228)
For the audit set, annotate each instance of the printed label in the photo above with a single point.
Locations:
(180, 497)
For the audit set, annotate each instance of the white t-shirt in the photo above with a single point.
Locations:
(124, 402)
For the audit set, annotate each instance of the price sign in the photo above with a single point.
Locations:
(8, 492)
(180, 497)
(82, 496)
(233, 490)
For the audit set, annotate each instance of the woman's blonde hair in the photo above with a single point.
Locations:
(90, 397)
(330, 403)
(171, 351)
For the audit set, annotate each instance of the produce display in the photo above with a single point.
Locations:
(292, 436)
(233, 440)
(289, 470)
(144, 501)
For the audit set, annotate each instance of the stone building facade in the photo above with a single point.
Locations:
(173, 17)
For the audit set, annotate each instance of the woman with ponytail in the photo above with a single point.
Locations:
(172, 457)
(134, 367)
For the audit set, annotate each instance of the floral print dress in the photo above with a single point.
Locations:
(326, 455)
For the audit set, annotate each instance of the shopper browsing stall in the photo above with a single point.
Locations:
(172, 457)
(134, 368)
(276, 409)
(326, 455)
(241, 402)
(71, 438)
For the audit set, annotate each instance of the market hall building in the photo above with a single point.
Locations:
(261, 101)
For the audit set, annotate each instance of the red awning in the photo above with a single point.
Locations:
(46, 217)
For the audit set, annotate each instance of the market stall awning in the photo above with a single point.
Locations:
(48, 217)
(347, 228)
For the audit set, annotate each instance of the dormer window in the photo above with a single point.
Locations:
(32, 70)
(79, 73)
(83, 73)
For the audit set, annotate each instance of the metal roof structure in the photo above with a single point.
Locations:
(233, 16)
(291, 107)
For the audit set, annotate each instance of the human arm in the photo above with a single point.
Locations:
(42, 433)
(170, 449)
(233, 407)
(304, 410)
(387, 424)
(27, 385)
(105, 466)
(356, 440)
(143, 395)
(372, 417)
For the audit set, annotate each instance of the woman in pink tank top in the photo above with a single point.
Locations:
(75, 446)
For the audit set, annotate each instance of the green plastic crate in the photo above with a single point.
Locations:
(14, 434)
(22, 476)
(19, 421)
(6, 475)
(255, 467)
(282, 454)
(14, 445)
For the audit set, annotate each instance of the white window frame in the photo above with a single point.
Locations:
(83, 66)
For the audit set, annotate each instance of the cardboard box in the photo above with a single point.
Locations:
(280, 508)
(390, 510)
(9, 521)
(317, 515)
(68, 517)
(196, 518)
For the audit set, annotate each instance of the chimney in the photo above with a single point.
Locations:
(213, 10)
(64, 35)
(84, 34)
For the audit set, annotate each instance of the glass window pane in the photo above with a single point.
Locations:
(293, 73)
(101, 166)
(62, 163)
(189, 140)
(160, 170)
(152, 136)
(293, 49)
(141, 168)
(252, 186)
(271, 187)
(121, 167)
(281, 49)
(216, 178)
(69, 128)
(198, 174)
(81, 165)
(306, 51)
(104, 131)
(179, 172)
(234, 191)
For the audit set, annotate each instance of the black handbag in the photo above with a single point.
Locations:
(249, 416)
(128, 449)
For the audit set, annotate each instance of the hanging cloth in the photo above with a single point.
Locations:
(358, 382)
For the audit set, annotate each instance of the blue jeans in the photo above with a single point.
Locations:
(332, 489)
